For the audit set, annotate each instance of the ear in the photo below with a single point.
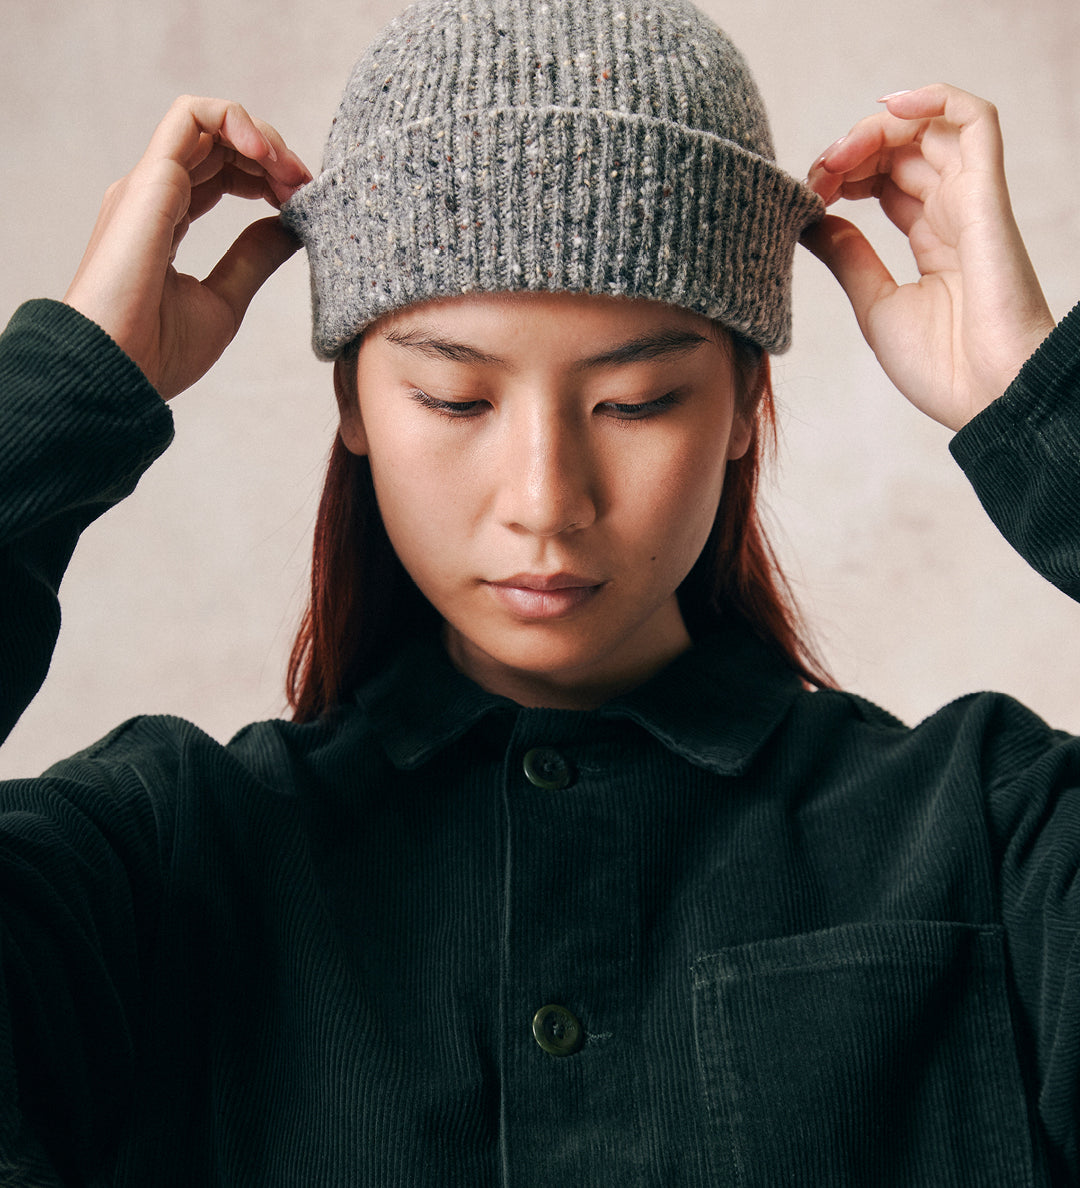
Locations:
(742, 432)
(756, 388)
(351, 423)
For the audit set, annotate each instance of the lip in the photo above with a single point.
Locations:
(553, 581)
(544, 596)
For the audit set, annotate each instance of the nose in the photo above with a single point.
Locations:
(549, 480)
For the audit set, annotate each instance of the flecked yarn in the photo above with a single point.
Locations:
(603, 146)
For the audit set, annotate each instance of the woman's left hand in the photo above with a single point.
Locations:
(953, 340)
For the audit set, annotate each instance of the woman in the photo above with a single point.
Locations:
(564, 873)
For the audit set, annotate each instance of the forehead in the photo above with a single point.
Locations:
(523, 331)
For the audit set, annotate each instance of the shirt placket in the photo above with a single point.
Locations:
(570, 938)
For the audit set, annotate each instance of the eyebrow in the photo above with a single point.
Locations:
(656, 344)
(423, 342)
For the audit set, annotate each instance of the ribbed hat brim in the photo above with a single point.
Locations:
(555, 199)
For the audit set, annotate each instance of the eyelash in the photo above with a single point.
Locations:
(650, 408)
(457, 410)
(453, 409)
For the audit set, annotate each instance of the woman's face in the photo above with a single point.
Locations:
(548, 467)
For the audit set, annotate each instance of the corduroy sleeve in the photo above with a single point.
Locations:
(1022, 455)
(78, 425)
(82, 874)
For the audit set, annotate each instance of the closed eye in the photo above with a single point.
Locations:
(460, 409)
(640, 412)
(455, 409)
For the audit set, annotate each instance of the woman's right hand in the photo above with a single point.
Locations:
(172, 325)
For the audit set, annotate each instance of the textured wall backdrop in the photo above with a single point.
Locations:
(184, 599)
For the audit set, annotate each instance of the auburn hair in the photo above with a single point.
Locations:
(363, 605)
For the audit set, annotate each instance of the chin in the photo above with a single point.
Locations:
(549, 653)
(547, 666)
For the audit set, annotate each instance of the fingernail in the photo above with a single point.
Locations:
(893, 95)
(269, 149)
(828, 152)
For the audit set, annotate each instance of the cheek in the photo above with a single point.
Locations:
(696, 491)
(687, 491)
(426, 500)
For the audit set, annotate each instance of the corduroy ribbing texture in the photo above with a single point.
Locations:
(806, 945)
(613, 147)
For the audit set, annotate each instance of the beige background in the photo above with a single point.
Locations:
(184, 599)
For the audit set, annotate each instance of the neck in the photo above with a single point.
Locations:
(572, 689)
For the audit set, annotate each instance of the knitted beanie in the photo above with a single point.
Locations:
(601, 146)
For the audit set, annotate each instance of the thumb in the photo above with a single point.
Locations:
(847, 253)
(258, 252)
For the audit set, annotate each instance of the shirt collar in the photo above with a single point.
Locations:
(715, 705)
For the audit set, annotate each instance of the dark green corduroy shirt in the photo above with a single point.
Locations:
(793, 941)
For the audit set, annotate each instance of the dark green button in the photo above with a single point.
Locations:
(557, 1031)
(547, 768)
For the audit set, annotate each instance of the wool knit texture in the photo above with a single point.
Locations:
(618, 147)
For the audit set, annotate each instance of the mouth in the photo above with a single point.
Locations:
(544, 596)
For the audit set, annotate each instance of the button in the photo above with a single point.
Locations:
(547, 768)
(557, 1031)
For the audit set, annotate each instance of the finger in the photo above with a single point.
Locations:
(140, 218)
(823, 183)
(275, 191)
(220, 157)
(178, 237)
(216, 156)
(202, 150)
(286, 158)
(179, 137)
(908, 117)
(862, 151)
(876, 185)
(230, 180)
(867, 142)
(900, 208)
(908, 168)
(257, 253)
(844, 250)
(903, 210)
(965, 112)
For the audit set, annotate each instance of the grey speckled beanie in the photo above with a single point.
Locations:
(601, 146)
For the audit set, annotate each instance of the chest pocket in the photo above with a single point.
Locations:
(877, 1054)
